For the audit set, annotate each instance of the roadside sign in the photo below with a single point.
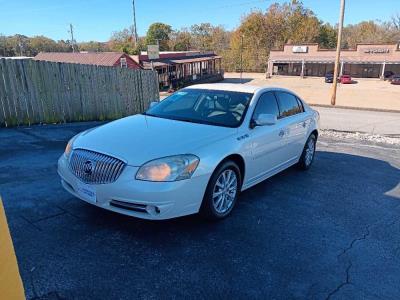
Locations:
(153, 51)
(300, 49)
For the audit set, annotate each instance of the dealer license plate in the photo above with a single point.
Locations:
(87, 192)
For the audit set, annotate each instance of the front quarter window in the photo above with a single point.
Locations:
(212, 107)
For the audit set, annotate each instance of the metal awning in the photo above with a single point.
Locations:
(193, 60)
(332, 62)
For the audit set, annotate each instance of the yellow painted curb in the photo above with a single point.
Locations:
(10, 281)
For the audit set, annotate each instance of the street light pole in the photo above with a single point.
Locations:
(135, 38)
(71, 31)
(338, 48)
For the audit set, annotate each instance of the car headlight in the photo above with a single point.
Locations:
(171, 168)
(68, 148)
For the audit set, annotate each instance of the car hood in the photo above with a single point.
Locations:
(138, 139)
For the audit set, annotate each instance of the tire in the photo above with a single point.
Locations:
(219, 200)
(307, 156)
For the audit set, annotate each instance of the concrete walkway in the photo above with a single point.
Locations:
(372, 122)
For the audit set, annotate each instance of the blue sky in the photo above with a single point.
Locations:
(97, 19)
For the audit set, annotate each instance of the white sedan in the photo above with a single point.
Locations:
(195, 151)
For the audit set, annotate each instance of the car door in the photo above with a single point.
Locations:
(294, 123)
(266, 142)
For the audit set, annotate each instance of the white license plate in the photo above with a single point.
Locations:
(87, 192)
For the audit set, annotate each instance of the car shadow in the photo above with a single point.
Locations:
(341, 178)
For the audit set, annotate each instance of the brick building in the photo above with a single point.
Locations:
(366, 61)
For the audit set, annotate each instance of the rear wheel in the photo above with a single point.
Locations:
(307, 157)
(222, 191)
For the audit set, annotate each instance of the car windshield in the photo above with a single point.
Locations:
(212, 107)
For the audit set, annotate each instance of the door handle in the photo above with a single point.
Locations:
(304, 124)
(281, 133)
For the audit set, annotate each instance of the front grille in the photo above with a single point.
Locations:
(95, 168)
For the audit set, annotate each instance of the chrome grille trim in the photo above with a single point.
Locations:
(104, 168)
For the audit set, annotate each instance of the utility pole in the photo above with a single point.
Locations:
(338, 48)
(135, 38)
(71, 31)
(241, 57)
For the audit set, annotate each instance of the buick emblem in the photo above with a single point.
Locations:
(88, 167)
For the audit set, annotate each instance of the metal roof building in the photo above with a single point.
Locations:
(109, 59)
(179, 68)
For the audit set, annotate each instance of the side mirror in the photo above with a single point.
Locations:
(264, 119)
(153, 103)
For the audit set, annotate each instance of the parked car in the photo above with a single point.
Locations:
(395, 80)
(387, 75)
(195, 151)
(346, 79)
(329, 77)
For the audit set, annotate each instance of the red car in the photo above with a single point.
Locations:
(345, 79)
(395, 80)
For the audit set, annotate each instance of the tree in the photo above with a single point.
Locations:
(251, 39)
(159, 33)
(6, 48)
(364, 32)
(180, 40)
(395, 21)
(302, 26)
(202, 36)
(122, 41)
(327, 37)
(93, 46)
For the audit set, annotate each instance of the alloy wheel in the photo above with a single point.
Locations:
(309, 155)
(225, 190)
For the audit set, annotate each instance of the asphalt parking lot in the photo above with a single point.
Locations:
(329, 233)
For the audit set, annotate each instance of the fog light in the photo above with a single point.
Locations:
(152, 209)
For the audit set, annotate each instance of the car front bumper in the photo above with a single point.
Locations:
(142, 199)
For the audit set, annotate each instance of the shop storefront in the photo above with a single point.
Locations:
(366, 61)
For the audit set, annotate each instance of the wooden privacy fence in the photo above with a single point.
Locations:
(33, 92)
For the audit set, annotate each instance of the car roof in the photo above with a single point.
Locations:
(234, 87)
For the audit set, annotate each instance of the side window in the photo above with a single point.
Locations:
(288, 104)
(267, 105)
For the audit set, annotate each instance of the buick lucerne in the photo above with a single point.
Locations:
(195, 151)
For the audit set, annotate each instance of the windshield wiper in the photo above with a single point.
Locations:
(186, 120)
(149, 115)
(195, 121)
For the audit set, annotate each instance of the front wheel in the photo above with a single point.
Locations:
(222, 192)
(307, 157)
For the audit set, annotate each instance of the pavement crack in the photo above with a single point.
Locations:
(354, 241)
(341, 285)
(31, 223)
(49, 217)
